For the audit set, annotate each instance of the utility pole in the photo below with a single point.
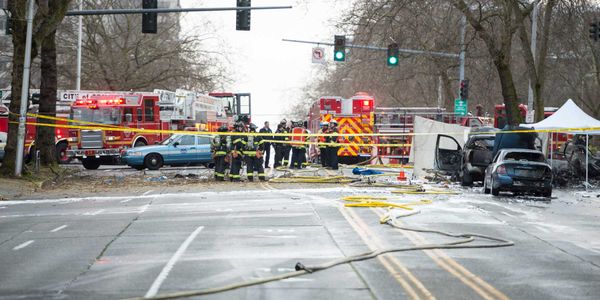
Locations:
(463, 32)
(79, 37)
(24, 92)
(530, 116)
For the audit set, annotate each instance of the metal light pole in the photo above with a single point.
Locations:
(530, 115)
(461, 57)
(24, 92)
(78, 83)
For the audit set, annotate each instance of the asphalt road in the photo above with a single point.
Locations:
(158, 243)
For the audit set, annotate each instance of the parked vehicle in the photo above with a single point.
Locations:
(2, 144)
(354, 116)
(176, 150)
(519, 171)
(468, 162)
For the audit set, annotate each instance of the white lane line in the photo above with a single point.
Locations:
(165, 271)
(126, 200)
(94, 213)
(148, 192)
(143, 208)
(23, 245)
(2, 207)
(58, 228)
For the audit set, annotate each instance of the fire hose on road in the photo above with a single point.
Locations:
(464, 241)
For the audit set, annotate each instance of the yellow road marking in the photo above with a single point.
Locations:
(484, 289)
(375, 243)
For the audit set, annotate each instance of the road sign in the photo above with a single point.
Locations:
(529, 116)
(460, 107)
(318, 55)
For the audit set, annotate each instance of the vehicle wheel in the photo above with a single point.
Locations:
(494, 191)
(466, 179)
(547, 193)
(486, 190)
(153, 161)
(140, 143)
(139, 168)
(90, 163)
(61, 154)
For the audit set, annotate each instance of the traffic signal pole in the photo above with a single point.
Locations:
(24, 92)
(409, 51)
(133, 11)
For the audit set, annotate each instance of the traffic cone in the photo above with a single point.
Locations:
(402, 176)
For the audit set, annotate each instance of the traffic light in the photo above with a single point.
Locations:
(464, 89)
(149, 20)
(339, 48)
(242, 17)
(392, 55)
(594, 33)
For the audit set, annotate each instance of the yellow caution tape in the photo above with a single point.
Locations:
(113, 127)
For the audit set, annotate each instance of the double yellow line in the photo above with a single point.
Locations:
(414, 288)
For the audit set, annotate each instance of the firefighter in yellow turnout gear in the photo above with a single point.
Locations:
(220, 146)
(253, 152)
(237, 148)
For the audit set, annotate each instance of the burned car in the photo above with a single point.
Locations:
(575, 154)
(467, 162)
(519, 171)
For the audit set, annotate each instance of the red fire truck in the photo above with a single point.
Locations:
(61, 134)
(354, 115)
(95, 146)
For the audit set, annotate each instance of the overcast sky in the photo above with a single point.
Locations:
(271, 70)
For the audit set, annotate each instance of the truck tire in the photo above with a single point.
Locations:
(466, 179)
(547, 193)
(153, 161)
(61, 153)
(90, 163)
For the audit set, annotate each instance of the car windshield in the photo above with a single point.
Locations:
(525, 156)
(104, 115)
(170, 139)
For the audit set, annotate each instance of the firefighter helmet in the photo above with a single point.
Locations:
(223, 128)
(333, 122)
(253, 126)
(324, 123)
(284, 121)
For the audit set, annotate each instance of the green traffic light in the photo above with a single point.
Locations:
(339, 56)
(392, 60)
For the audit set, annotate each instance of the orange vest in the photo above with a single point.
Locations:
(298, 138)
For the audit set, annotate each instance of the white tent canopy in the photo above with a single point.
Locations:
(569, 117)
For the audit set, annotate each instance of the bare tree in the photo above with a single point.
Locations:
(49, 14)
(117, 56)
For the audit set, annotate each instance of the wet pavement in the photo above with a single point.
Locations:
(161, 240)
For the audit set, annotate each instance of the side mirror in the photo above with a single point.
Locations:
(175, 144)
(128, 118)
